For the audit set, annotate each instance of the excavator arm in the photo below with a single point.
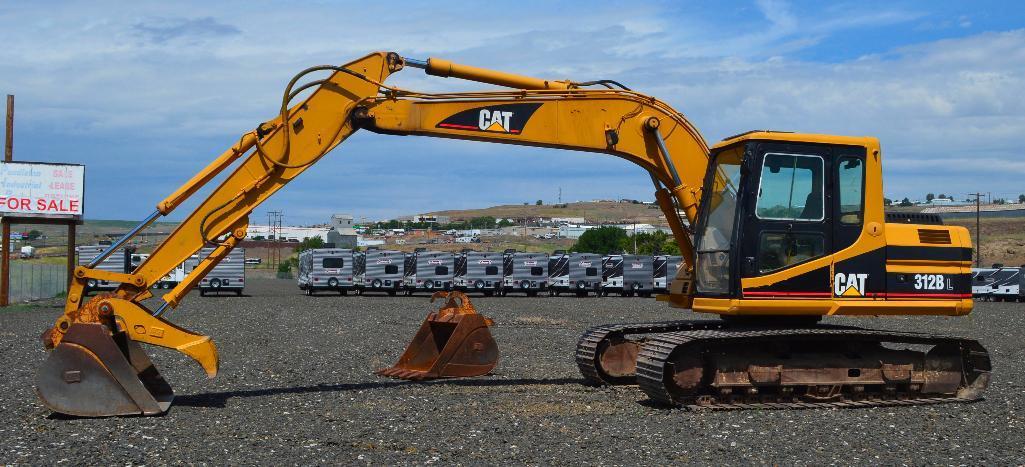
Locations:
(534, 112)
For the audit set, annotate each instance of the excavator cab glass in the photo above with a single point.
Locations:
(718, 216)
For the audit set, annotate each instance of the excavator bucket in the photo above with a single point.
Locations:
(94, 372)
(451, 343)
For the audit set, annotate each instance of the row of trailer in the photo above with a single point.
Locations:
(489, 273)
(228, 276)
(999, 284)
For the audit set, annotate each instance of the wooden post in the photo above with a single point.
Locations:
(5, 258)
(71, 252)
(5, 273)
(9, 143)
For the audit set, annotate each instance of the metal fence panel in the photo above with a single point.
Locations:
(36, 281)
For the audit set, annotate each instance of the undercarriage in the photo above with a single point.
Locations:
(717, 364)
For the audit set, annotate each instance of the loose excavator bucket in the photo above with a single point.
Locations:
(94, 372)
(453, 342)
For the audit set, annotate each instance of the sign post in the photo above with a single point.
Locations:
(37, 193)
(5, 257)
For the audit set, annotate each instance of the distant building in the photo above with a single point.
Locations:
(342, 221)
(949, 202)
(343, 231)
(425, 218)
(643, 228)
(569, 220)
(366, 242)
(287, 233)
(574, 231)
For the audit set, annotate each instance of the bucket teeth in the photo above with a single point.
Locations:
(453, 342)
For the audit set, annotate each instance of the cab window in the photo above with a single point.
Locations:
(777, 250)
(851, 175)
(791, 188)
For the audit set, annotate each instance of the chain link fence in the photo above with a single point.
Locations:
(31, 280)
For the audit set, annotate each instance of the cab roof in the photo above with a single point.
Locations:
(787, 136)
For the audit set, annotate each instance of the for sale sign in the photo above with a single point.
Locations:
(39, 189)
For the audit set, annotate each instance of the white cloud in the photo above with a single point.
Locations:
(158, 89)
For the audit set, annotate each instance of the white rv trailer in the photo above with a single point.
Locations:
(330, 269)
(1006, 285)
(229, 275)
(581, 275)
(382, 272)
(429, 271)
(628, 275)
(526, 273)
(479, 271)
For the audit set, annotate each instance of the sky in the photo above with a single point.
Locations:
(145, 94)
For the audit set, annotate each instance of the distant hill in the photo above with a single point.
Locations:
(593, 212)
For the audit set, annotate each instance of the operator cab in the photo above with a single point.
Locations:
(774, 205)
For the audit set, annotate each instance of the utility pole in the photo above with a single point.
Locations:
(274, 230)
(560, 195)
(978, 233)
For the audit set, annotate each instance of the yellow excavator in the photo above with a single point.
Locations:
(777, 230)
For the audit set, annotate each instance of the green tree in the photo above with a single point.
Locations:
(655, 243)
(906, 202)
(34, 234)
(539, 203)
(887, 202)
(506, 223)
(602, 240)
(929, 197)
(483, 222)
(309, 244)
(1021, 198)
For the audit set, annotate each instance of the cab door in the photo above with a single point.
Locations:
(786, 235)
(858, 273)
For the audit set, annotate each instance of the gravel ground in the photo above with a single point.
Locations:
(297, 387)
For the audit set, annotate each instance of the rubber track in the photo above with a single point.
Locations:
(587, 346)
(657, 350)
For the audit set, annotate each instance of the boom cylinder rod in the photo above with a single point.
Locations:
(125, 238)
(665, 154)
(446, 69)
